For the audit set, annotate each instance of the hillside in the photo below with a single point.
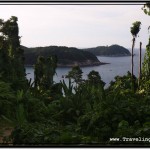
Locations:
(66, 56)
(113, 50)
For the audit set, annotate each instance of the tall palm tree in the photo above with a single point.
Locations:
(134, 31)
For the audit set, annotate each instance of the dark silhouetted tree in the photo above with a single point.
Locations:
(134, 31)
(12, 62)
(45, 68)
(95, 78)
(75, 74)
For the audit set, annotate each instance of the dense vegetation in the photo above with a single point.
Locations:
(113, 50)
(66, 56)
(82, 113)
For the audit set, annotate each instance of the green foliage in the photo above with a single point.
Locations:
(75, 74)
(146, 8)
(95, 78)
(68, 90)
(20, 111)
(7, 97)
(84, 114)
(145, 86)
(135, 28)
(146, 63)
(44, 72)
(89, 115)
(11, 55)
(44, 134)
(124, 83)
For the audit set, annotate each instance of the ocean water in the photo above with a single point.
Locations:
(118, 66)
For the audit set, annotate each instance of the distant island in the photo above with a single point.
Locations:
(67, 56)
(111, 51)
(71, 56)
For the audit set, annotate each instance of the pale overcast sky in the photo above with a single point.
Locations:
(77, 25)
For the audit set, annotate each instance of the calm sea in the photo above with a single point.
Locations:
(118, 66)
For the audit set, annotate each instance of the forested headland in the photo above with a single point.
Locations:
(80, 113)
(111, 51)
(66, 56)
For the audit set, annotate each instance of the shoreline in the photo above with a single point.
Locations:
(86, 64)
(113, 55)
(83, 65)
(71, 65)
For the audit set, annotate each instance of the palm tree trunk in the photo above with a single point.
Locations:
(140, 62)
(132, 65)
(132, 57)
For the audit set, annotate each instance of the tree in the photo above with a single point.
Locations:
(38, 71)
(146, 69)
(11, 54)
(134, 31)
(45, 68)
(146, 64)
(95, 78)
(51, 65)
(140, 63)
(76, 74)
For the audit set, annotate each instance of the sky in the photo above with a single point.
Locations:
(79, 26)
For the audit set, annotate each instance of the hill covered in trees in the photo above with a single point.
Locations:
(82, 113)
(70, 56)
(113, 50)
(67, 56)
